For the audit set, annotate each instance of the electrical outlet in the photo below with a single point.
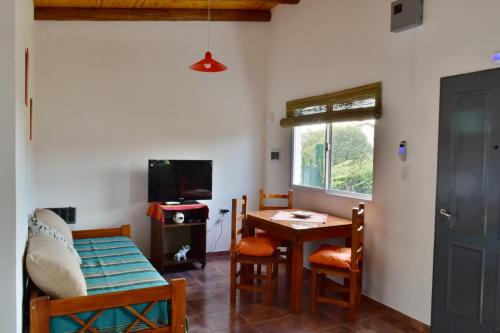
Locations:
(224, 210)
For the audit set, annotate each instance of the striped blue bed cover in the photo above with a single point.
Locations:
(112, 264)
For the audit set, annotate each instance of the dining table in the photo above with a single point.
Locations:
(296, 232)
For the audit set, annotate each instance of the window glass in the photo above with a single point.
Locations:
(351, 161)
(356, 104)
(309, 155)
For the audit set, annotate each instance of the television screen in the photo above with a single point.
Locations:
(179, 180)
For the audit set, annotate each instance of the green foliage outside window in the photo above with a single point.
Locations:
(352, 160)
(313, 159)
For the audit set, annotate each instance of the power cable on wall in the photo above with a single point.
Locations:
(220, 220)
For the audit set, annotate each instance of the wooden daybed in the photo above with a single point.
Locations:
(42, 308)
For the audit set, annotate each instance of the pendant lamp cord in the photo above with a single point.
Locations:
(208, 23)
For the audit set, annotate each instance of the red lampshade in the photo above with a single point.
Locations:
(208, 64)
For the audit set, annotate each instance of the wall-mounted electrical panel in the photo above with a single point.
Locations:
(406, 14)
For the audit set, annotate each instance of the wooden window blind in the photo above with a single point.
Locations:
(353, 104)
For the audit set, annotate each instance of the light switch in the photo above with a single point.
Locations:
(405, 172)
(270, 117)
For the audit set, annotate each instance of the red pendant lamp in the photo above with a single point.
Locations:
(208, 64)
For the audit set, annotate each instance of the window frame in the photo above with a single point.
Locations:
(328, 170)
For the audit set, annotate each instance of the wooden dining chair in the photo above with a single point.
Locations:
(250, 252)
(285, 248)
(341, 261)
(263, 197)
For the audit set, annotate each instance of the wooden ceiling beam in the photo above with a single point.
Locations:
(274, 2)
(149, 14)
(284, 2)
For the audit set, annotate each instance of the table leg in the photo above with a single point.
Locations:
(297, 281)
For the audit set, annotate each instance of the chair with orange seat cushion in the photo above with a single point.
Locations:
(250, 252)
(285, 248)
(344, 262)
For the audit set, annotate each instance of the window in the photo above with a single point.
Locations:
(333, 138)
(309, 155)
(336, 157)
(351, 157)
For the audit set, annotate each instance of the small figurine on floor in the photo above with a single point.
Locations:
(182, 254)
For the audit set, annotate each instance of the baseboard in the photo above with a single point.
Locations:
(217, 254)
(418, 325)
(414, 323)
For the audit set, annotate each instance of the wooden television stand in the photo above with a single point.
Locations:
(168, 237)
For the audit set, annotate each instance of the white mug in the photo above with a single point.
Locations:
(179, 218)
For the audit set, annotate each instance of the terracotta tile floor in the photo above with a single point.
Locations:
(209, 311)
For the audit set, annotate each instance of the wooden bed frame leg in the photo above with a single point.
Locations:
(39, 315)
(178, 305)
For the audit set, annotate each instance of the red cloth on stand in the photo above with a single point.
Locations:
(155, 210)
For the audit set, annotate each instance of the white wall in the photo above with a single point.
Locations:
(23, 158)
(322, 46)
(110, 96)
(16, 32)
(7, 167)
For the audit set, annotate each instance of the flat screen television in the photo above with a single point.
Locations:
(179, 180)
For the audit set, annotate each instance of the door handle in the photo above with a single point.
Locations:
(446, 214)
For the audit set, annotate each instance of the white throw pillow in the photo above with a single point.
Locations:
(36, 227)
(54, 221)
(53, 268)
